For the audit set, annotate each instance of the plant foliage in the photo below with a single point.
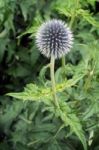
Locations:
(33, 122)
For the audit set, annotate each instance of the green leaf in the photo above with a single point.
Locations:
(18, 71)
(54, 146)
(35, 93)
(11, 112)
(42, 73)
(35, 25)
(3, 43)
(69, 83)
(88, 17)
(34, 55)
(92, 2)
(68, 7)
(25, 6)
(72, 120)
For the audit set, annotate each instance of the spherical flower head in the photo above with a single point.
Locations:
(54, 38)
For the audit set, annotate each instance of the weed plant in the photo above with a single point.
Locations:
(33, 119)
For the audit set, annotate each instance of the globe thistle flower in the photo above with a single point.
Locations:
(54, 38)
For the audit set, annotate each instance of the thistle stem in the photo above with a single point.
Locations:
(52, 64)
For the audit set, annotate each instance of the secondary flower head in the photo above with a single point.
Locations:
(54, 38)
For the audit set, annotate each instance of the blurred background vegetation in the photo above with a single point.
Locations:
(21, 125)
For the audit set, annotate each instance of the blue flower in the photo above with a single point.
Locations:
(55, 38)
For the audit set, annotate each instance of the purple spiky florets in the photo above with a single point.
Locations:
(54, 38)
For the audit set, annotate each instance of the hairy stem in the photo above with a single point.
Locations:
(52, 64)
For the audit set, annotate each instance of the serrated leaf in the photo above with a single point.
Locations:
(72, 120)
(88, 17)
(69, 83)
(35, 93)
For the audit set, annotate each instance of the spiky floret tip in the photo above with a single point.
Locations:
(55, 38)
